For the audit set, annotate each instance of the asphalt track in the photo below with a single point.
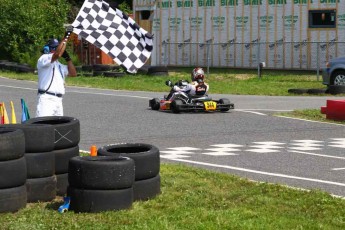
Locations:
(248, 141)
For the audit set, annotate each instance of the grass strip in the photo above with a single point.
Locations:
(240, 82)
(194, 198)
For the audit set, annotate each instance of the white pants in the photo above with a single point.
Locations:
(49, 105)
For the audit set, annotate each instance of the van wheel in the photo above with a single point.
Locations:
(338, 78)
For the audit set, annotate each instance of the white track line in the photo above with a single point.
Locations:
(261, 172)
(315, 154)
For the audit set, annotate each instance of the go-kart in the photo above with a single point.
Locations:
(182, 102)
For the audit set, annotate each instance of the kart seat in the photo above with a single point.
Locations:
(200, 97)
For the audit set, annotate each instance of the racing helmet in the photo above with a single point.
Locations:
(198, 75)
(51, 45)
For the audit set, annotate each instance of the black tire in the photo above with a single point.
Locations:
(78, 69)
(12, 66)
(338, 78)
(154, 104)
(62, 157)
(12, 173)
(87, 68)
(41, 189)
(13, 199)
(316, 91)
(101, 67)
(40, 164)
(101, 172)
(38, 137)
(67, 129)
(298, 91)
(114, 74)
(12, 143)
(116, 68)
(175, 105)
(86, 74)
(98, 73)
(143, 70)
(61, 184)
(146, 157)
(336, 89)
(224, 101)
(25, 69)
(147, 189)
(84, 200)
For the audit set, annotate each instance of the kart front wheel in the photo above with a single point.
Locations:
(176, 105)
(154, 104)
(224, 101)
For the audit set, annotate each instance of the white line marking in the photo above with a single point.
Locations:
(315, 154)
(220, 153)
(336, 169)
(268, 143)
(15, 87)
(261, 172)
(272, 110)
(227, 145)
(294, 118)
(223, 149)
(71, 91)
(109, 94)
(184, 148)
(247, 111)
(306, 148)
(263, 150)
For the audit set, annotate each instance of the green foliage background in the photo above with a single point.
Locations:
(26, 25)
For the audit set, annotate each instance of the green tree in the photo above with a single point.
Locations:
(26, 25)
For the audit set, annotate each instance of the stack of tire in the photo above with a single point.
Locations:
(147, 165)
(13, 195)
(65, 146)
(100, 183)
(40, 161)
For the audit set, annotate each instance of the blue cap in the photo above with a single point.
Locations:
(53, 42)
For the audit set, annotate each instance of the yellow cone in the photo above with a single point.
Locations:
(14, 119)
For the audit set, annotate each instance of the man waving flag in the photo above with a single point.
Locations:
(114, 33)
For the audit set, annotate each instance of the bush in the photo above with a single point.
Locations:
(26, 25)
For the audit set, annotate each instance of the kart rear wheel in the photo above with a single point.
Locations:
(154, 104)
(224, 101)
(175, 105)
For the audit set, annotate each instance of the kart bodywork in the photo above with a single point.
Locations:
(183, 102)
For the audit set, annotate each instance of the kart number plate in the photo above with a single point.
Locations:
(210, 105)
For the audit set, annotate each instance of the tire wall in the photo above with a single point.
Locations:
(147, 166)
(63, 145)
(100, 183)
(13, 172)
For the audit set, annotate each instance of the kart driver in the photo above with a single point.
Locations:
(198, 87)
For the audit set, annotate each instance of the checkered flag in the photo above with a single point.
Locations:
(114, 33)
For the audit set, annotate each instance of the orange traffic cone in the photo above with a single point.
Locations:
(93, 151)
(4, 116)
(1, 114)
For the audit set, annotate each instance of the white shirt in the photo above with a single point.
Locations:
(45, 72)
(192, 88)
